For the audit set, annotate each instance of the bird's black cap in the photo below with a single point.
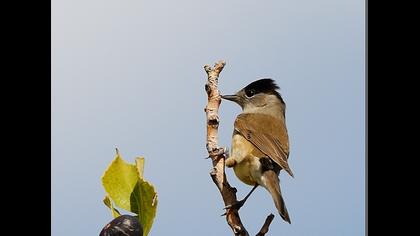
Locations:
(265, 85)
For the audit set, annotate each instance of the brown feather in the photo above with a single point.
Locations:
(268, 134)
(273, 186)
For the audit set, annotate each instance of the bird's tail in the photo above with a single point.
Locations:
(273, 186)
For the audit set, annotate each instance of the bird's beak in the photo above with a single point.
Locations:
(237, 98)
(233, 98)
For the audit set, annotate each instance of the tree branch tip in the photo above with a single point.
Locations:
(219, 66)
(220, 63)
(207, 68)
(266, 225)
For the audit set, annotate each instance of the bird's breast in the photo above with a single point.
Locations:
(248, 166)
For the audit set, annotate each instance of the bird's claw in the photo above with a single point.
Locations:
(237, 205)
(226, 152)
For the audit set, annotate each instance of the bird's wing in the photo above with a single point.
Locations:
(271, 138)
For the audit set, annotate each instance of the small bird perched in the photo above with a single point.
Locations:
(260, 143)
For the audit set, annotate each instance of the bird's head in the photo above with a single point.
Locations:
(258, 95)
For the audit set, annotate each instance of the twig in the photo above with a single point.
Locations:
(264, 228)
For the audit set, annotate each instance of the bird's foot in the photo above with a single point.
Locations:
(237, 205)
(230, 162)
(226, 152)
(216, 153)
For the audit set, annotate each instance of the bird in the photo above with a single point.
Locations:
(260, 141)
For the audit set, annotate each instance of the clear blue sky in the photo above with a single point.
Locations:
(129, 74)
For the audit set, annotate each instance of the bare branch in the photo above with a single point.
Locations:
(218, 154)
(264, 228)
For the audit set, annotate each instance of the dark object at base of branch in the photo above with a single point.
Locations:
(121, 226)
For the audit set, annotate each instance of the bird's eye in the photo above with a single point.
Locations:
(250, 93)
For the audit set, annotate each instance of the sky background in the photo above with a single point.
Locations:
(129, 74)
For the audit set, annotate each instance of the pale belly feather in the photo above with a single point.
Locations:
(248, 166)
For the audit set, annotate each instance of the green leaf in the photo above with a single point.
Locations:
(126, 187)
(147, 198)
(119, 181)
(140, 166)
(108, 203)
